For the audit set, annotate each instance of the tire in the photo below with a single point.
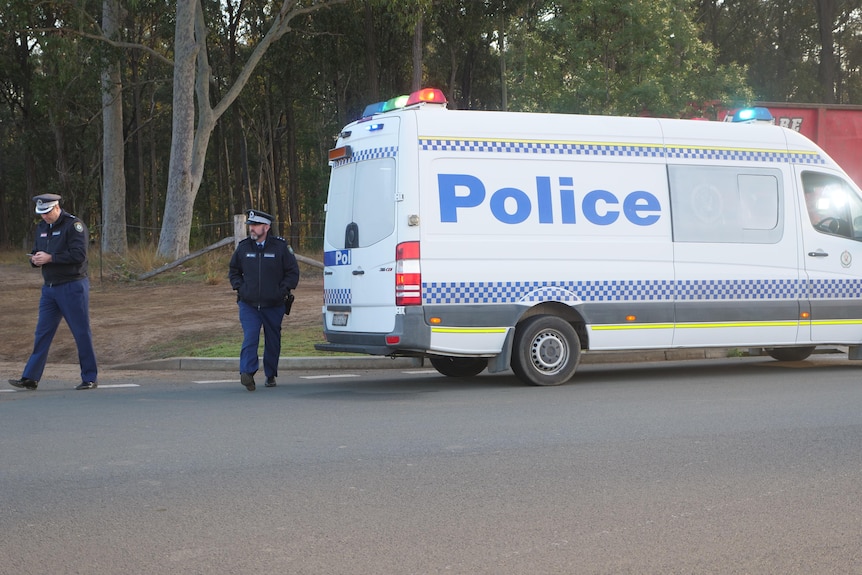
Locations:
(459, 366)
(790, 353)
(546, 350)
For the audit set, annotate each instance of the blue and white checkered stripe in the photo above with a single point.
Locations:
(836, 289)
(337, 296)
(429, 144)
(639, 290)
(368, 154)
(742, 155)
(625, 290)
(723, 290)
(541, 148)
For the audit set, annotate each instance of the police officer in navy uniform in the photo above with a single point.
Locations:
(60, 251)
(263, 270)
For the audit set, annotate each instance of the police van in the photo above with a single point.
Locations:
(518, 240)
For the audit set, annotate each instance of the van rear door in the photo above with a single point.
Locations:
(359, 247)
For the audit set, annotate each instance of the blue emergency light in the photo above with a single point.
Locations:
(751, 115)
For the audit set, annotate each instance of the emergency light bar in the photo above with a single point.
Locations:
(423, 96)
(752, 115)
(428, 96)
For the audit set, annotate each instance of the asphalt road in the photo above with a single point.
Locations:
(722, 466)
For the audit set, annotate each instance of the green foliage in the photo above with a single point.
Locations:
(611, 57)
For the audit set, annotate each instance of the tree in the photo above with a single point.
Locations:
(616, 57)
(192, 85)
(114, 239)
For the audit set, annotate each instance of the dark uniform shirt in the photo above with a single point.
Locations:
(66, 240)
(262, 277)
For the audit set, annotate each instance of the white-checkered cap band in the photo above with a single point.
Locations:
(256, 218)
(45, 207)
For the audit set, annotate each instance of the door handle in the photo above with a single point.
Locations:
(358, 272)
(818, 254)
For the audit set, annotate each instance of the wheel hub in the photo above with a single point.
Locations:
(548, 352)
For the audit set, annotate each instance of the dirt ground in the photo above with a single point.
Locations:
(129, 318)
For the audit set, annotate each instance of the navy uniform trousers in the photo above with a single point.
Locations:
(69, 301)
(251, 319)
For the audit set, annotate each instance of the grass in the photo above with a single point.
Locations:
(295, 342)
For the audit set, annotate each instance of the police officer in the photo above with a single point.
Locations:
(60, 251)
(263, 270)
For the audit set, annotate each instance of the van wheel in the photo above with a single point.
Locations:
(459, 366)
(790, 353)
(546, 350)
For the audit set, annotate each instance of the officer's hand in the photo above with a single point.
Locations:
(41, 258)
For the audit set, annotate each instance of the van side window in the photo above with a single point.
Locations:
(833, 206)
(726, 205)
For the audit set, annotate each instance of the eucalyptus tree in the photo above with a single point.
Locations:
(191, 94)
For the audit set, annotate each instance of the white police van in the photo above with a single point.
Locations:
(498, 239)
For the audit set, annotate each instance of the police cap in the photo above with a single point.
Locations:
(258, 217)
(46, 202)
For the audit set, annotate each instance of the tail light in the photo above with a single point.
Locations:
(408, 276)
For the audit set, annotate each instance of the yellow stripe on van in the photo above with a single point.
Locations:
(836, 322)
(627, 326)
(724, 324)
(700, 325)
(469, 330)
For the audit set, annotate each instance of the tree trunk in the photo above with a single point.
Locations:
(371, 55)
(826, 71)
(417, 55)
(176, 225)
(113, 166)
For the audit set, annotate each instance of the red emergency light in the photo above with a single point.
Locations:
(426, 95)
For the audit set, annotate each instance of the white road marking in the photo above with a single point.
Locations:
(117, 385)
(334, 375)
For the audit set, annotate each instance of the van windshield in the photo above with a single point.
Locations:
(833, 206)
(361, 203)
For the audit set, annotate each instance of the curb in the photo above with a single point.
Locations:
(376, 362)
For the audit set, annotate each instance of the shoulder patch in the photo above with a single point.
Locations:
(79, 227)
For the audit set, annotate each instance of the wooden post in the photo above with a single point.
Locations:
(239, 231)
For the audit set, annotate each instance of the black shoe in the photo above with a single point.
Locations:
(247, 379)
(24, 383)
(87, 385)
(270, 381)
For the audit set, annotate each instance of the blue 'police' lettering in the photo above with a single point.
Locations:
(458, 192)
(591, 207)
(522, 205)
(641, 201)
(450, 200)
(336, 258)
